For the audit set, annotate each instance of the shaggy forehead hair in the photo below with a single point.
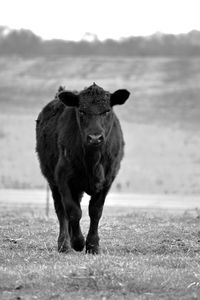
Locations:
(94, 95)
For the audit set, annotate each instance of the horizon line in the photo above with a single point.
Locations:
(92, 37)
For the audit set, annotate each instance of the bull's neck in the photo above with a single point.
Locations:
(92, 158)
(95, 169)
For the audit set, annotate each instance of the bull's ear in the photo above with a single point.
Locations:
(69, 98)
(119, 97)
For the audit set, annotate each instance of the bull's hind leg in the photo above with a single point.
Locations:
(63, 238)
(95, 213)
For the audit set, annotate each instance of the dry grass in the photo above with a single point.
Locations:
(144, 255)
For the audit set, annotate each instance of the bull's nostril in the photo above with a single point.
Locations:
(100, 138)
(95, 139)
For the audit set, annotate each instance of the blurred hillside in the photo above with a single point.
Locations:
(25, 43)
(161, 120)
(164, 90)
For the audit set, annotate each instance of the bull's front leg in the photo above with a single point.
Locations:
(72, 211)
(63, 238)
(73, 215)
(95, 213)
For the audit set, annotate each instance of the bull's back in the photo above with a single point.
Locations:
(46, 137)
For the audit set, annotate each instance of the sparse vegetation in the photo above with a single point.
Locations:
(144, 255)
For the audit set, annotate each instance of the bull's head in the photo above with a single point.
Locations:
(94, 112)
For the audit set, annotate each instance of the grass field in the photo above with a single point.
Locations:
(161, 120)
(152, 254)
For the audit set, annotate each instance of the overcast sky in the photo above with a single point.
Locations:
(107, 18)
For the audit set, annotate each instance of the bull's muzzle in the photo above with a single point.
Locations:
(95, 139)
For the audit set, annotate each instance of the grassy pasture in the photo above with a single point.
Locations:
(161, 120)
(152, 254)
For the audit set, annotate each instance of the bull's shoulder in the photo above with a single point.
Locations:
(116, 132)
(52, 109)
(115, 142)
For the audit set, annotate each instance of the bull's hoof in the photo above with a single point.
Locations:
(64, 246)
(78, 243)
(92, 249)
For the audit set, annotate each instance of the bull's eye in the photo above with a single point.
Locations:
(106, 113)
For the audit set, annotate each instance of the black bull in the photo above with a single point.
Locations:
(80, 147)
